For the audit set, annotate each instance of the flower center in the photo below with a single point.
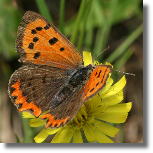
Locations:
(80, 118)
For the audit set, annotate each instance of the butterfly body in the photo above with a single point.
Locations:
(76, 80)
(53, 78)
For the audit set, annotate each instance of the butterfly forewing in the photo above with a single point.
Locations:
(39, 42)
(96, 81)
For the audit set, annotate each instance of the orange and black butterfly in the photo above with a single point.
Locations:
(53, 77)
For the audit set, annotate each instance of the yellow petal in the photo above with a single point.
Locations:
(36, 122)
(88, 131)
(109, 82)
(41, 136)
(27, 115)
(52, 131)
(96, 63)
(115, 88)
(113, 117)
(107, 63)
(125, 107)
(101, 138)
(56, 138)
(113, 100)
(116, 113)
(95, 101)
(100, 109)
(65, 136)
(107, 129)
(87, 58)
(77, 137)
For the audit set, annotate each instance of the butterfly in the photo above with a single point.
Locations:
(53, 77)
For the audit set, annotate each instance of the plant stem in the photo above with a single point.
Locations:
(84, 26)
(78, 20)
(61, 16)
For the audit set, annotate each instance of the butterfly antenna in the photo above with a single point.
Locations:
(124, 72)
(114, 69)
(102, 52)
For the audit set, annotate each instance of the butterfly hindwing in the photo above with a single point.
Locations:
(40, 43)
(65, 112)
(32, 88)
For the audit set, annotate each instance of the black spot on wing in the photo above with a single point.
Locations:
(31, 46)
(99, 74)
(11, 90)
(53, 41)
(47, 26)
(35, 39)
(33, 31)
(62, 49)
(92, 89)
(39, 28)
(97, 84)
(36, 55)
(19, 105)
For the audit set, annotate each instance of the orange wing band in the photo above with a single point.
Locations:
(54, 122)
(22, 100)
(36, 110)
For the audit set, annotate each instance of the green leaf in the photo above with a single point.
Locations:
(78, 20)
(61, 16)
(81, 38)
(17, 139)
(43, 9)
(130, 39)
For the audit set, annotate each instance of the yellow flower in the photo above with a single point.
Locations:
(91, 122)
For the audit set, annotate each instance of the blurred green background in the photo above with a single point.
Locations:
(90, 25)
